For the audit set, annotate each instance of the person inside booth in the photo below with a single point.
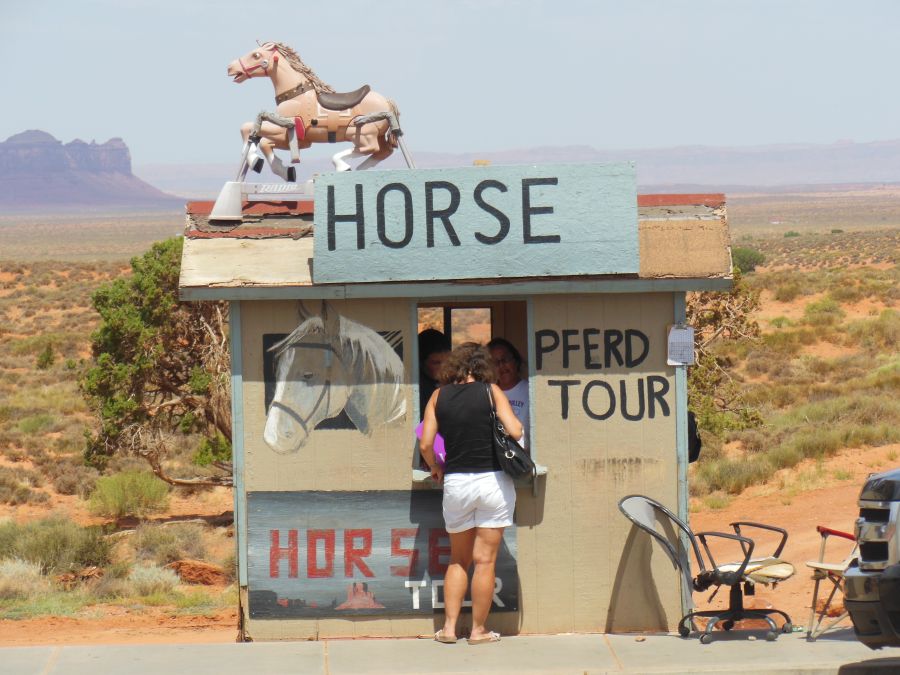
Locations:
(434, 348)
(508, 366)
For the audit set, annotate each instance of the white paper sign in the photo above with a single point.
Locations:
(681, 346)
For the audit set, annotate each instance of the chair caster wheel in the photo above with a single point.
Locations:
(684, 631)
(705, 639)
(771, 636)
(728, 625)
(787, 627)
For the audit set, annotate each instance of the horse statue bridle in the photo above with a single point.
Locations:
(264, 64)
(325, 394)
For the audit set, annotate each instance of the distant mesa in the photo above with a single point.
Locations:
(40, 173)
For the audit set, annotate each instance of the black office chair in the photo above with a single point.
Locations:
(663, 525)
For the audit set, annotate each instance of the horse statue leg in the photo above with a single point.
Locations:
(268, 133)
(339, 159)
(250, 160)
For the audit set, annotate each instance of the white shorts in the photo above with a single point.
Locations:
(478, 500)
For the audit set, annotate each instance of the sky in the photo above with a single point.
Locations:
(468, 75)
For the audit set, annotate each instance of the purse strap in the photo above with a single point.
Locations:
(487, 388)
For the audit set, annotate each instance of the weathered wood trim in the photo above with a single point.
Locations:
(451, 291)
(237, 440)
(681, 444)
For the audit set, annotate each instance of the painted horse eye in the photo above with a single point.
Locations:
(256, 55)
(307, 375)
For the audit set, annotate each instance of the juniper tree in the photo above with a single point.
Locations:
(719, 318)
(160, 368)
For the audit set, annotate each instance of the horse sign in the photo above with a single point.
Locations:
(309, 111)
(330, 364)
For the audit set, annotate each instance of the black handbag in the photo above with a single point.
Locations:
(512, 456)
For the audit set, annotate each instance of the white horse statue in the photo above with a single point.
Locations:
(309, 111)
(327, 364)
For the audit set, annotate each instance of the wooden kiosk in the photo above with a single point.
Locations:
(338, 531)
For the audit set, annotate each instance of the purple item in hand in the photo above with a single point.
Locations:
(440, 452)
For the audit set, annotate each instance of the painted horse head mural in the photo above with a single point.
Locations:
(309, 111)
(328, 364)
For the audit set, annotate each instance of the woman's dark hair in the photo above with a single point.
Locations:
(506, 344)
(470, 358)
(431, 341)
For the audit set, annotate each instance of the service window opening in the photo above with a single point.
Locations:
(443, 324)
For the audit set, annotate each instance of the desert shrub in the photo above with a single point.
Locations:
(837, 231)
(76, 480)
(67, 472)
(846, 293)
(131, 493)
(824, 312)
(791, 233)
(56, 544)
(114, 583)
(852, 409)
(16, 486)
(784, 343)
(781, 322)
(881, 334)
(732, 476)
(785, 457)
(886, 378)
(752, 440)
(776, 395)
(36, 423)
(7, 413)
(46, 358)
(151, 579)
(746, 259)
(230, 563)
(818, 366)
(163, 544)
(787, 292)
(21, 580)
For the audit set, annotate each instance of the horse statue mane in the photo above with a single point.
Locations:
(297, 64)
(374, 372)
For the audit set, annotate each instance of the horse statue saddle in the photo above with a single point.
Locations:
(332, 101)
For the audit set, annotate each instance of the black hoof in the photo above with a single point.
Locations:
(258, 165)
(291, 175)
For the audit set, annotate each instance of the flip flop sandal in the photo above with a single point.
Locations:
(440, 637)
(484, 639)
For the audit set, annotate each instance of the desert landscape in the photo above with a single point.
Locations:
(823, 377)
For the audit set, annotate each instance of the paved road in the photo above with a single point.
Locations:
(569, 654)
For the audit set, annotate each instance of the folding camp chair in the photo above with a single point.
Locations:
(658, 521)
(833, 572)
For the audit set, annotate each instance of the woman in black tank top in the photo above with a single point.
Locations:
(478, 497)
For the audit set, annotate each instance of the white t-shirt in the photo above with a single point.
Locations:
(518, 399)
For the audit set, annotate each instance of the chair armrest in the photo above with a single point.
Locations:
(827, 531)
(746, 545)
(772, 528)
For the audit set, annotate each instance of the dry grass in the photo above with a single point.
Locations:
(825, 379)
